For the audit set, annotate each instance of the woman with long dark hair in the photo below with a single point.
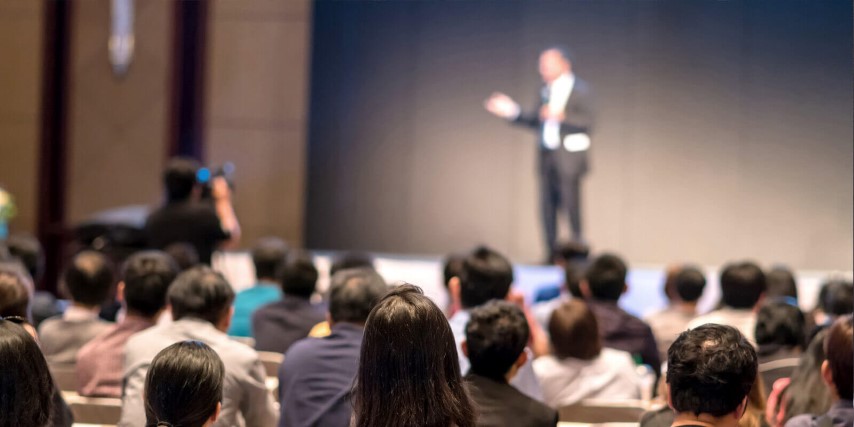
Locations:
(26, 387)
(183, 386)
(409, 373)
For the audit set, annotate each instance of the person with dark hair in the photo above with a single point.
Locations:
(743, 286)
(780, 337)
(88, 281)
(603, 284)
(452, 268)
(408, 372)
(316, 377)
(579, 367)
(28, 250)
(351, 260)
(838, 374)
(185, 218)
(836, 298)
(803, 393)
(781, 283)
(15, 289)
(710, 371)
(563, 120)
(184, 254)
(200, 299)
(268, 257)
(496, 336)
(26, 386)
(683, 287)
(276, 326)
(145, 280)
(573, 258)
(184, 386)
(487, 275)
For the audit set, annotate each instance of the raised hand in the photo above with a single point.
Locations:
(502, 106)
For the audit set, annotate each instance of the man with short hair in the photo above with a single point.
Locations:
(496, 336)
(276, 326)
(487, 275)
(710, 371)
(317, 375)
(185, 218)
(145, 280)
(268, 257)
(200, 299)
(742, 288)
(687, 284)
(837, 371)
(603, 284)
(88, 281)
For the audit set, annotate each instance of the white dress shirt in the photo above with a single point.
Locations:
(559, 91)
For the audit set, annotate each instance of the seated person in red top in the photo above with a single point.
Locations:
(88, 280)
(100, 363)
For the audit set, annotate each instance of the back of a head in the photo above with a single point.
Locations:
(14, 292)
(26, 386)
(452, 267)
(496, 335)
(179, 178)
(486, 275)
(710, 369)
(185, 255)
(353, 294)
(89, 278)
(839, 347)
(807, 393)
(742, 284)
(268, 256)
(298, 276)
(780, 323)
(836, 297)
(147, 276)
(571, 251)
(574, 331)
(29, 251)
(184, 385)
(781, 283)
(689, 283)
(409, 374)
(351, 260)
(202, 293)
(606, 277)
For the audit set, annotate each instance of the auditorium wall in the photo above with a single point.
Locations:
(724, 128)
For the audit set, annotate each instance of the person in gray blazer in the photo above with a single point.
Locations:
(201, 300)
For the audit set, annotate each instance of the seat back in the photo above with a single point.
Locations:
(65, 377)
(598, 411)
(94, 410)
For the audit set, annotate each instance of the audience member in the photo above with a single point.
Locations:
(742, 287)
(836, 298)
(573, 258)
(88, 281)
(278, 325)
(754, 415)
(185, 218)
(804, 392)
(684, 286)
(316, 377)
(837, 372)
(184, 386)
(268, 256)
(451, 270)
(579, 367)
(201, 306)
(145, 280)
(603, 284)
(710, 371)
(486, 275)
(781, 283)
(184, 254)
(780, 336)
(351, 260)
(28, 250)
(409, 375)
(496, 336)
(26, 387)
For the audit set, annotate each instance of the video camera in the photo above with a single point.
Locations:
(205, 175)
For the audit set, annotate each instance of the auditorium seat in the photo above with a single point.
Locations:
(93, 410)
(65, 377)
(271, 361)
(597, 411)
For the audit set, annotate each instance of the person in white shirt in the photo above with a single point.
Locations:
(743, 288)
(579, 367)
(684, 287)
(563, 120)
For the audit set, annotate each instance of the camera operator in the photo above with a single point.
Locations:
(185, 218)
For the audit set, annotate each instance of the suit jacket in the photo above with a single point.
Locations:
(316, 377)
(245, 395)
(277, 325)
(579, 111)
(61, 339)
(500, 404)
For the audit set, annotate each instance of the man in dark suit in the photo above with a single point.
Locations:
(563, 120)
(496, 336)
